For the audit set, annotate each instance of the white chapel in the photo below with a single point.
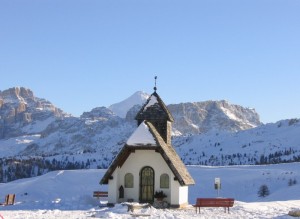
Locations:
(148, 163)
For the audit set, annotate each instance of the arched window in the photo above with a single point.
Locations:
(164, 181)
(128, 180)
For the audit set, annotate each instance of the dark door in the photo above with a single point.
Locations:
(146, 184)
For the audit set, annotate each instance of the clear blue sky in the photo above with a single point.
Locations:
(80, 54)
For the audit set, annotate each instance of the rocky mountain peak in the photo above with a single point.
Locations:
(19, 109)
(199, 117)
(121, 108)
(16, 95)
(98, 113)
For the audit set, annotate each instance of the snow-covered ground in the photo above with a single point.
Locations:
(68, 194)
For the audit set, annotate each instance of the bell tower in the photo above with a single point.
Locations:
(156, 112)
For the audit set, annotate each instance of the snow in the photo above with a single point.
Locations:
(152, 101)
(68, 194)
(121, 108)
(11, 147)
(251, 144)
(141, 136)
(38, 126)
(230, 114)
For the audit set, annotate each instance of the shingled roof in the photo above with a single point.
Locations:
(167, 152)
(154, 108)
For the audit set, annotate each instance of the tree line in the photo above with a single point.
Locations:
(17, 168)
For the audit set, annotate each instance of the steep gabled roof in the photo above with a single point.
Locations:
(167, 152)
(154, 108)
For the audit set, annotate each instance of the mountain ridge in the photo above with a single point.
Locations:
(51, 141)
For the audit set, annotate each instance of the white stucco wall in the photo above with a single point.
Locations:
(179, 194)
(184, 195)
(176, 195)
(112, 185)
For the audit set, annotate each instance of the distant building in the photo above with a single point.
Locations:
(147, 162)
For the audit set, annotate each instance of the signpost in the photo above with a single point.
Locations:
(218, 185)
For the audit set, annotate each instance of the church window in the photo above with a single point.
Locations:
(128, 180)
(164, 181)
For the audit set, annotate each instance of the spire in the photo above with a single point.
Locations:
(155, 88)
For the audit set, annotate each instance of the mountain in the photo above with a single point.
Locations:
(121, 108)
(267, 144)
(97, 131)
(197, 117)
(22, 113)
(36, 137)
(201, 117)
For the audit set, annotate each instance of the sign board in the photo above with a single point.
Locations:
(218, 183)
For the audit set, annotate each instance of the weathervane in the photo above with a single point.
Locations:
(155, 88)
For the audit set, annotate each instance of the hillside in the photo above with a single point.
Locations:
(69, 193)
(266, 144)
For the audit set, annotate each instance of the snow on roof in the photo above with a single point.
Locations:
(152, 101)
(141, 136)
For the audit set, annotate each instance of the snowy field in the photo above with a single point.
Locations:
(68, 194)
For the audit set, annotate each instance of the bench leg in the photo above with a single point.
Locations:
(130, 208)
(227, 209)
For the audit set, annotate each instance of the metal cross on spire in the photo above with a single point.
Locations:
(155, 88)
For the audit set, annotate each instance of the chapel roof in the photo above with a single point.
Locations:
(167, 152)
(154, 109)
(141, 136)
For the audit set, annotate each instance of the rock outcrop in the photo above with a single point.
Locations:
(20, 108)
(201, 117)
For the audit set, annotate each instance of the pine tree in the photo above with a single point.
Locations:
(294, 181)
(263, 191)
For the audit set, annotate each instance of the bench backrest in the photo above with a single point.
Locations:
(100, 194)
(10, 199)
(215, 202)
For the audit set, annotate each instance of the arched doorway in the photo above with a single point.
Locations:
(146, 184)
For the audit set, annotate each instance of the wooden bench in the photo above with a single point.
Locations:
(100, 194)
(9, 199)
(214, 202)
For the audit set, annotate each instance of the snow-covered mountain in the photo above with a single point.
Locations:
(202, 117)
(37, 137)
(51, 131)
(197, 117)
(271, 143)
(21, 113)
(121, 108)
